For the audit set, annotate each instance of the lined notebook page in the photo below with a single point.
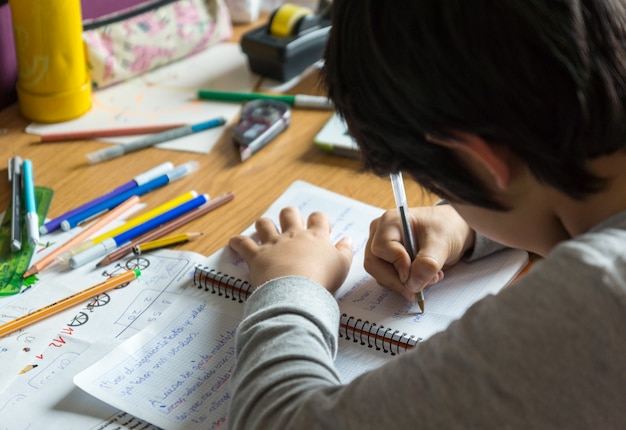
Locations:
(175, 373)
(463, 285)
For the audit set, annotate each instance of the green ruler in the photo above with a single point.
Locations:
(13, 265)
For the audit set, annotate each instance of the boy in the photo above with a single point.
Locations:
(513, 111)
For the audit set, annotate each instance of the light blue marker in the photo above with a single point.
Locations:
(32, 220)
(153, 139)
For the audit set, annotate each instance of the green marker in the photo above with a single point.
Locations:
(298, 100)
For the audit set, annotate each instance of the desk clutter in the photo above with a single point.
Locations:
(95, 242)
(156, 66)
(166, 96)
(106, 27)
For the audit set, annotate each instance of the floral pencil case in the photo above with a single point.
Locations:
(153, 33)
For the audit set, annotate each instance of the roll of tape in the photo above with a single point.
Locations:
(286, 18)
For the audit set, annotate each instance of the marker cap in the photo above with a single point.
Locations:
(155, 172)
(90, 254)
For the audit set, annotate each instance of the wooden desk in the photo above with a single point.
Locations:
(256, 183)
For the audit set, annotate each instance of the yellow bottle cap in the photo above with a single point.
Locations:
(55, 107)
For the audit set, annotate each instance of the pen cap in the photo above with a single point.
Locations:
(15, 167)
(53, 82)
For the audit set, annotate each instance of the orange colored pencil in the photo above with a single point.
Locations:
(67, 302)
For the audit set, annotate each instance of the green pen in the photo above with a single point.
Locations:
(298, 100)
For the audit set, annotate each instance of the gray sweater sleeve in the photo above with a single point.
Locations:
(545, 353)
(299, 344)
(482, 248)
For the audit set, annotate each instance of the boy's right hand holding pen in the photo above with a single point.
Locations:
(441, 236)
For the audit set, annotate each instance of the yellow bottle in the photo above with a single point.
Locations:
(53, 82)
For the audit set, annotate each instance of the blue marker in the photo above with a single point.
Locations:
(138, 180)
(153, 139)
(108, 245)
(31, 218)
(106, 205)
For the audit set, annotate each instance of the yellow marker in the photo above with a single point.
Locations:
(286, 18)
(166, 241)
(67, 302)
(148, 215)
(129, 224)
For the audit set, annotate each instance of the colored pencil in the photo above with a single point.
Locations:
(110, 132)
(67, 302)
(165, 242)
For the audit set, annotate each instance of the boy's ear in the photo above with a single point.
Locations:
(490, 156)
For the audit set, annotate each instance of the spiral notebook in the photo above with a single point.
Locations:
(175, 373)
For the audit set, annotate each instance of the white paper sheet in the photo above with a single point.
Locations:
(38, 362)
(168, 95)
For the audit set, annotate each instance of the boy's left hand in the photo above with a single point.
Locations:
(296, 250)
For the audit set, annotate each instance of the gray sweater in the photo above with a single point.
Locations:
(548, 352)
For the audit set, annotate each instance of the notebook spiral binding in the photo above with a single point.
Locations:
(382, 338)
(375, 336)
(221, 284)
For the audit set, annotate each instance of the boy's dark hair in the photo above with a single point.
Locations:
(547, 79)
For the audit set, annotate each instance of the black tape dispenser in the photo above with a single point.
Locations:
(293, 40)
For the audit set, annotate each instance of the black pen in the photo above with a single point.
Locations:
(407, 233)
(15, 176)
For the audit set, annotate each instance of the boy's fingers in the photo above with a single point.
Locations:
(345, 247)
(243, 245)
(424, 270)
(266, 229)
(385, 273)
(290, 217)
(318, 220)
(384, 245)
